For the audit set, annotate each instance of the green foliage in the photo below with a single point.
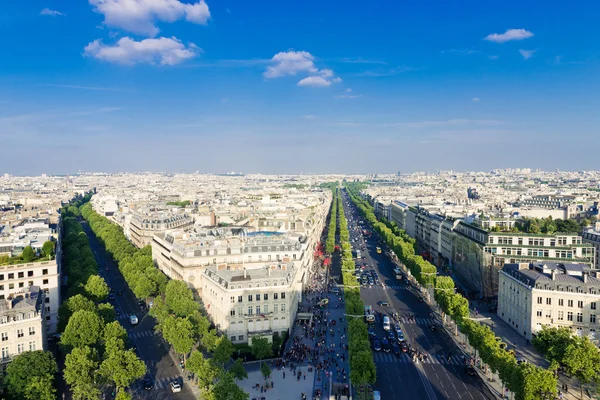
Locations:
(179, 299)
(179, 333)
(183, 203)
(226, 389)
(549, 226)
(26, 374)
(265, 370)
(122, 367)
(223, 351)
(106, 311)
(238, 370)
(28, 254)
(205, 371)
(48, 249)
(80, 371)
(71, 306)
(261, 348)
(84, 329)
(96, 288)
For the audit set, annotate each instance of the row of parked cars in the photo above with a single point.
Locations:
(393, 342)
(368, 277)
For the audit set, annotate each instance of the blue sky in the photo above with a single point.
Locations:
(297, 86)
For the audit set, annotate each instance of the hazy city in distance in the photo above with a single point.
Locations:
(278, 200)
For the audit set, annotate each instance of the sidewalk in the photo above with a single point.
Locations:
(282, 388)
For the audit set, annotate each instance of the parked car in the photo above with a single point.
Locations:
(376, 345)
(404, 347)
(385, 344)
(148, 384)
(470, 370)
(133, 319)
(175, 387)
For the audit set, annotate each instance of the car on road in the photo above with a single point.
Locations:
(133, 319)
(396, 349)
(148, 384)
(385, 343)
(469, 370)
(404, 347)
(383, 303)
(376, 345)
(117, 312)
(120, 291)
(107, 269)
(111, 296)
(391, 335)
(175, 387)
(371, 330)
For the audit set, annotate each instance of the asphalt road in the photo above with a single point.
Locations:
(400, 377)
(151, 348)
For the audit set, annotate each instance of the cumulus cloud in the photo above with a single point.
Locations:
(139, 16)
(314, 81)
(163, 51)
(52, 13)
(510, 34)
(291, 63)
(527, 54)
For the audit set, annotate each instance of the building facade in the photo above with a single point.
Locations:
(593, 238)
(550, 294)
(143, 227)
(251, 302)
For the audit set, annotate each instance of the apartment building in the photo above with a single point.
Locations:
(185, 255)
(592, 236)
(143, 226)
(250, 302)
(398, 212)
(22, 323)
(550, 294)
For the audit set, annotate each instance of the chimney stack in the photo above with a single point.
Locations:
(553, 274)
(585, 277)
(244, 273)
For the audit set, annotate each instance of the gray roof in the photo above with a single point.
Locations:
(551, 275)
(31, 300)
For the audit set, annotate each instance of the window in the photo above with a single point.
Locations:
(275, 308)
(4, 336)
(232, 312)
(21, 275)
(1, 287)
(561, 302)
(570, 316)
(266, 297)
(580, 304)
(250, 310)
(266, 308)
(257, 297)
(592, 318)
(241, 337)
(44, 272)
(539, 313)
(593, 305)
(275, 296)
(570, 303)
(29, 274)
(31, 346)
(561, 315)
(579, 317)
(30, 283)
(240, 299)
(539, 300)
(257, 310)
(5, 352)
(548, 313)
(232, 338)
(21, 284)
(11, 276)
(20, 333)
(283, 308)
(249, 297)
(20, 348)
(548, 301)
(282, 295)
(1, 277)
(11, 285)
(31, 330)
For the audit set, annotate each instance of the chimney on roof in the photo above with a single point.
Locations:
(553, 273)
(244, 273)
(585, 277)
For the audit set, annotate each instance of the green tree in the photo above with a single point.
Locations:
(179, 299)
(582, 359)
(205, 371)
(179, 332)
(261, 348)
(238, 370)
(223, 351)
(123, 395)
(106, 311)
(362, 368)
(96, 288)
(25, 372)
(40, 388)
(227, 389)
(265, 370)
(84, 329)
(73, 304)
(48, 248)
(81, 366)
(122, 367)
(28, 254)
(210, 339)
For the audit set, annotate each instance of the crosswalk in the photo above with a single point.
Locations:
(384, 286)
(140, 334)
(415, 321)
(381, 357)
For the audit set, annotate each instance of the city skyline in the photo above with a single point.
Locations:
(185, 86)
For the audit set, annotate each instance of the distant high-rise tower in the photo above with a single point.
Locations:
(398, 173)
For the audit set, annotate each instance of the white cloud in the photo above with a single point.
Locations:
(510, 34)
(164, 51)
(527, 54)
(291, 63)
(53, 13)
(348, 90)
(476, 99)
(139, 16)
(315, 81)
(348, 96)
(493, 57)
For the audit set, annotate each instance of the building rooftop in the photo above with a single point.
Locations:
(551, 275)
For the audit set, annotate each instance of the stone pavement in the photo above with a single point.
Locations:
(283, 388)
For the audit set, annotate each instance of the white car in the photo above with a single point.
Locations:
(133, 319)
(175, 387)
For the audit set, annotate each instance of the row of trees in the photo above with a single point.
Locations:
(178, 314)
(550, 226)
(330, 241)
(578, 356)
(527, 381)
(29, 254)
(183, 203)
(97, 346)
(362, 366)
